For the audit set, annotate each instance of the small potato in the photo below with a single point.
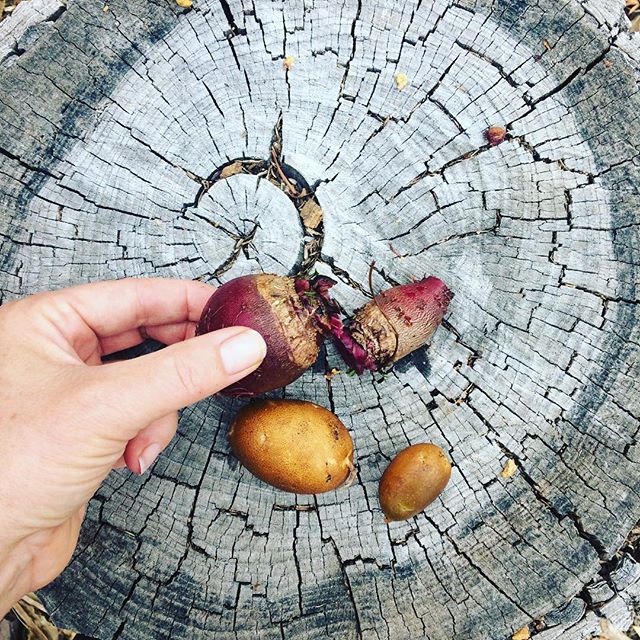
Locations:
(294, 445)
(413, 480)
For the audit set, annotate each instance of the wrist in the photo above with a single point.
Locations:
(14, 577)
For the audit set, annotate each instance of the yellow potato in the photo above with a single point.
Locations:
(413, 480)
(294, 445)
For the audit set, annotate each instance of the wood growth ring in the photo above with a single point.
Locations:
(291, 183)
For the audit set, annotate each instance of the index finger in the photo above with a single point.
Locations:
(114, 306)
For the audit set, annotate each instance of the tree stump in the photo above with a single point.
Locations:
(141, 139)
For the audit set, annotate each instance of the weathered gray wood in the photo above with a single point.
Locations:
(613, 595)
(24, 25)
(113, 125)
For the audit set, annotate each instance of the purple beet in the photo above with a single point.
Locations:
(287, 313)
(391, 326)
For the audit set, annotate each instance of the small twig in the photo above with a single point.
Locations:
(276, 163)
(395, 252)
(373, 264)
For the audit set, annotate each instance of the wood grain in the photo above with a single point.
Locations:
(110, 127)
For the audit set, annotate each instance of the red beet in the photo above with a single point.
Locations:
(395, 323)
(294, 315)
(283, 311)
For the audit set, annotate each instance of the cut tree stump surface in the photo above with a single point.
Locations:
(116, 122)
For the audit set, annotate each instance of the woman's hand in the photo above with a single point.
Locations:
(66, 419)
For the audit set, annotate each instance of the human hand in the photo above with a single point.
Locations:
(67, 420)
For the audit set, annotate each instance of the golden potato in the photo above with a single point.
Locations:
(413, 480)
(294, 445)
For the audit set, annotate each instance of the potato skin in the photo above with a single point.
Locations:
(294, 445)
(413, 480)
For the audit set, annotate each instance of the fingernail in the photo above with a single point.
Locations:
(242, 351)
(148, 456)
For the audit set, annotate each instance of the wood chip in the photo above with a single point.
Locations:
(521, 634)
(508, 470)
(311, 214)
(401, 80)
(185, 4)
(31, 600)
(232, 169)
(288, 62)
(609, 632)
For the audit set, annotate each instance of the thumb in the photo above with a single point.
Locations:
(156, 384)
